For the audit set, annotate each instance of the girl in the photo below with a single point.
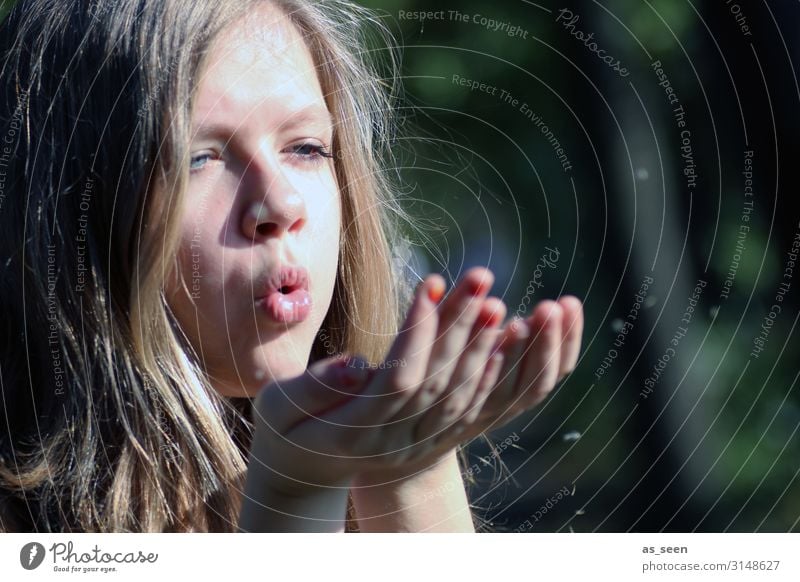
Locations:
(201, 318)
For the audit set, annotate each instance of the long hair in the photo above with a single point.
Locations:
(110, 425)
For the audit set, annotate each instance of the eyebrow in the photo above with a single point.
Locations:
(310, 114)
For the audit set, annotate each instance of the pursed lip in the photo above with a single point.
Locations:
(285, 280)
(286, 299)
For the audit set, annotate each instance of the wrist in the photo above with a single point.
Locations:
(271, 506)
(273, 502)
(415, 472)
(428, 497)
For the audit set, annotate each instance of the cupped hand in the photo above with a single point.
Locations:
(452, 373)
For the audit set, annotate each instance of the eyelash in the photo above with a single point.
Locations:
(319, 152)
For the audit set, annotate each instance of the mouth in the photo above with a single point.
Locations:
(286, 298)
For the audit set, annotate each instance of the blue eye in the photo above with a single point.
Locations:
(198, 161)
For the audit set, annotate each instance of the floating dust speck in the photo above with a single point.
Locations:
(650, 301)
(570, 436)
(616, 325)
(713, 311)
(579, 512)
(574, 487)
(642, 174)
(259, 375)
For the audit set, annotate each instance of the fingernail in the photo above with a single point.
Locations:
(477, 287)
(436, 290)
(489, 318)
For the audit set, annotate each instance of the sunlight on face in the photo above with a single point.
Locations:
(261, 220)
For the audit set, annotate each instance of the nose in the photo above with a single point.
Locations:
(274, 209)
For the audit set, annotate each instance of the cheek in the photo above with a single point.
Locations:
(199, 253)
(323, 208)
(325, 229)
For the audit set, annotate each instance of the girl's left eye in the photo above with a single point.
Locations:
(310, 152)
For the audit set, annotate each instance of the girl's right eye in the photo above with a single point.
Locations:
(199, 160)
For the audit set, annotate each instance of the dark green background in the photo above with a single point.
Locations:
(715, 446)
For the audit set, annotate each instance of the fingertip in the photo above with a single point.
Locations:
(436, 287)
(572, 322)
(518, 328)
(479, 280)
(493, 311)
(548, 313)
(571, 304)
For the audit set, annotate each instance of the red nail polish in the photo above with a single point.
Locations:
(489, 318)
(436, 291)
(477, 287)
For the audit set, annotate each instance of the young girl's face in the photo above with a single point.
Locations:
(261, 220)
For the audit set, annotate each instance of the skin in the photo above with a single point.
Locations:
(260, 196)
(464, 374)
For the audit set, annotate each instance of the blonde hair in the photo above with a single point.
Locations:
(113, 427)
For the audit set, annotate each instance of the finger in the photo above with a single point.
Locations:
(467, 375)
(572, 331)
(491, 373)
(412, 346)
(458, 314)
(543, 358)
(472, 364)
(325, 385)
(512, 345)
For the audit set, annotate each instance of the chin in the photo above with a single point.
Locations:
(269, 364)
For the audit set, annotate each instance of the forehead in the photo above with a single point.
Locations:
(261, 60)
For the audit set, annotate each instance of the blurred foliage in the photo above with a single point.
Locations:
(490, 175)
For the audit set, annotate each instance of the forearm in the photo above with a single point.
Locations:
(268, 506)
(432, 500)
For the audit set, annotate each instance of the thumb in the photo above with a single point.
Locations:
(325, 385)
